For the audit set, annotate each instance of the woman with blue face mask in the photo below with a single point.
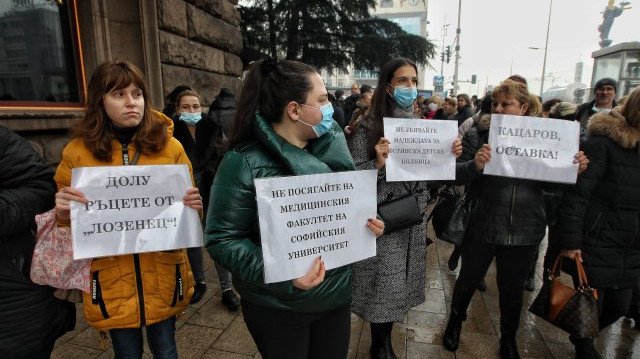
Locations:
(189, 114)
(389, 284)
(283, 127)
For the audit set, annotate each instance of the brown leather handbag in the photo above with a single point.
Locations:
(574, 310)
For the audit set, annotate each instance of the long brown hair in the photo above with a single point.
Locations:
(382, 105)
(95, 127)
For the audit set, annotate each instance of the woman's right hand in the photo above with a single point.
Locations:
(382, 152)
(63, 197)
(482, 157)
(313, 278)
(574, 254)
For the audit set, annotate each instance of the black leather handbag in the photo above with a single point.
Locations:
(455, 229)
(574, 310)
(444, 208)
(401, 212)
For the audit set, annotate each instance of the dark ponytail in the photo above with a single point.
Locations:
(267, 89)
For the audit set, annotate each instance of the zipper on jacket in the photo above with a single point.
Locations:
(513, 203)
(96, 295)
(178, 291)
(125, 154)
(138, 273)
(136, 257)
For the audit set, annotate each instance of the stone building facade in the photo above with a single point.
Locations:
(193, 42)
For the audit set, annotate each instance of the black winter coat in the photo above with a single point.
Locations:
(508, 211)
(31, 319)
(600, 214)
(211, 139)
(26, 189)
(463, 114)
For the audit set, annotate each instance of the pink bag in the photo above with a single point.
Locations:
(52, 262)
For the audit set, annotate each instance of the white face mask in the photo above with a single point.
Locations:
(432, 106)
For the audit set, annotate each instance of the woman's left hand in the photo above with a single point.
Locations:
(376, 226)
(193, 199)
(582, 161)
(457, 147)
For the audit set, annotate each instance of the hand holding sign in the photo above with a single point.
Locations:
(376, 226)
(382, 152)
(420, 150)
(482, 157)
(314, 276)
(193, 199)
(456, 148)
(118, 210)
(534, 148)
(582, 161)
(63, 197)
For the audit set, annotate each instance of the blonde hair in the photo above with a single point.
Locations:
(519, 91)
(631, 108)
(435, 99)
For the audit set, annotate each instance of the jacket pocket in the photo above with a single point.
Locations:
(106, 289)
(172, 276)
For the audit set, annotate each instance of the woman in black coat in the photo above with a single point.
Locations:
(599, 218)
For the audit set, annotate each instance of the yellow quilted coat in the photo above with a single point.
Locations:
(159, 282)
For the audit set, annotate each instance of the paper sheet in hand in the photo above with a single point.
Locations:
(533, 148)
(132, 209)
(420, 149)
(304, 217)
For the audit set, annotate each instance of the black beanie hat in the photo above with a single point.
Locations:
(606, 82)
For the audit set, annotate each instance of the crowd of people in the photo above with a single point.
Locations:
(286, 123)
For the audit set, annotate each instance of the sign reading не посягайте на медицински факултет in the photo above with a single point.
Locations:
(304, 217)
(533, 148)
(132, 209)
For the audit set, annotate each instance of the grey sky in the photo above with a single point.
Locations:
(497, 32)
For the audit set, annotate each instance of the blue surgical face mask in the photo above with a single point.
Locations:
(404, 96)
(191, 118)
(325, 124)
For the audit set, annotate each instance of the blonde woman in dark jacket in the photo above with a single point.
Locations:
(508, 223)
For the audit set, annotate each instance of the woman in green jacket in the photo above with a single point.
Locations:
(283, 126)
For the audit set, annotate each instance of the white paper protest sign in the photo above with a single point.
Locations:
(132, 209)
(304, 217)
(420, 150)
(533, 148)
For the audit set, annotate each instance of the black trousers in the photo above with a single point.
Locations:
(286, 334)
(512, 266)
(613, 304)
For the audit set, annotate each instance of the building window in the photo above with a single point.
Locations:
(39, 54)
(386, 3)
(409, 24)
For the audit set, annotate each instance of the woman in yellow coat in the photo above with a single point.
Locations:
(136, 290)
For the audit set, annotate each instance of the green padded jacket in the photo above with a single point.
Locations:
(232, 233)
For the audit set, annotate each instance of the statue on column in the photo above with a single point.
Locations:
(608, 15)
